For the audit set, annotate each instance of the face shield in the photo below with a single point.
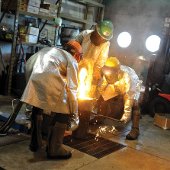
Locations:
(111, 69)
(111, 74)
(75, 49)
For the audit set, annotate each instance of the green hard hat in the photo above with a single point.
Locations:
(105, 29)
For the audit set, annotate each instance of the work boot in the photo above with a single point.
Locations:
(134, 133)
(36, 130)
(55, 141)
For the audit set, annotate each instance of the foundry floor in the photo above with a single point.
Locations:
(150, 152)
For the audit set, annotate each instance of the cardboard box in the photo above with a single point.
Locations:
(53, 10)
(35, 3)
(33, 31)
(44, 10)
(49, 1)
(162, 120)
(45, 6)
(32, 9)
(31, 38)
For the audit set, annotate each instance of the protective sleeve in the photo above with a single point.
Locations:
(100, 62)
(72, 85)
(128, 104)
(102, 86)
(133, 86)
(30, 64)
(125, 87)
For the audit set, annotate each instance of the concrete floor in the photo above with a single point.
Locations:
(150, 152)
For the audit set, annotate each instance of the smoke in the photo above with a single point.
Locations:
(141, 19)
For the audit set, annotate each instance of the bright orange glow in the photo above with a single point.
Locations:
(84, 88)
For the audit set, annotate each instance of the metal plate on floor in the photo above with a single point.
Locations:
(12, 138)
(97, 148)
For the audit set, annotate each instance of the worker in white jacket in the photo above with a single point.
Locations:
(120, 92)
(95, 45)
(52, 85)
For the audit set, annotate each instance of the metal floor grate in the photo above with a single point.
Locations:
(97, 148)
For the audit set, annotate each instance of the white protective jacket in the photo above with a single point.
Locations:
(94, 57)
(52, 81)
(128, 85)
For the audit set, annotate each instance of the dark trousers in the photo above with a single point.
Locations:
(36, 126)
(41, 123)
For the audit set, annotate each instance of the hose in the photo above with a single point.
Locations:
(2, 61)
(7, 125)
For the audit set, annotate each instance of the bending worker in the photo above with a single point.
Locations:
(52, 86)
(120, 92)
(95, 45)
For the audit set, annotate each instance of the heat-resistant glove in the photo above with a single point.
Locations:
(73, 105)
(73, 122)
(74, 118)
(125, 118)
(127, 111)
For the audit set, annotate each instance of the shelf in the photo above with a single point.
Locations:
(33, 44)
(89, 2)
(64, 16)
(36, 15)
(38, 45)
(74, 19)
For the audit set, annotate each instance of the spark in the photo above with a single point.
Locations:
(103, 130)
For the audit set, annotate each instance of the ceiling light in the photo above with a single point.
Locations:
(152, 43)
(124, 39)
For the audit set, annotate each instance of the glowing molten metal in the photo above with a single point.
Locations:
(84, 88)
